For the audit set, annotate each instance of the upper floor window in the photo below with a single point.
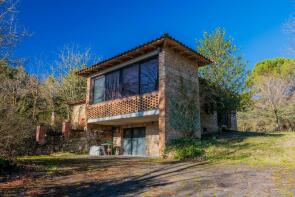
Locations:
(149, 76)
(131, 80)
(112, 85)
(99, 87)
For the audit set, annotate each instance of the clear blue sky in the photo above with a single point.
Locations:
(110, 27)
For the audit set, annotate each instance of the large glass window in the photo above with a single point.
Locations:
(112, 84)
(130, 80)
(149, 76)
(98, 89)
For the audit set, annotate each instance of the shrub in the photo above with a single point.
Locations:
(6, 165)
(185, 148)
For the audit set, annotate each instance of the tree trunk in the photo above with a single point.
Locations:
(52, 122)
(277, 119)
(35, 105)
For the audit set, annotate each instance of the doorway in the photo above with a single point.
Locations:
(134, 141)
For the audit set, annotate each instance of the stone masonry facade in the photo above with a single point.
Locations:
(177, 69)
(172, 68)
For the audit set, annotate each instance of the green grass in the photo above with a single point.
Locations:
(277, 148)
(57, 155)
(253, 148)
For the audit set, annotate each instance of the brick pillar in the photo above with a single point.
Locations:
(40, 134)
(87, 103)
(162, 103)
(66, 129)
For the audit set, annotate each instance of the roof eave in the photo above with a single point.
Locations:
(144, 48)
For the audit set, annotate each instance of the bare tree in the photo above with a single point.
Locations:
(273, 93)
(71, 59)
(10, 33)
(63, 84)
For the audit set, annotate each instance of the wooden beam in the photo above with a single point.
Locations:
(184, 52)
(191, 56)
(174, 47)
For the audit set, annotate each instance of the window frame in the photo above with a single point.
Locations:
(140, 71)
(121, 79)
(139, 63)
(93, 88)
(120, 85)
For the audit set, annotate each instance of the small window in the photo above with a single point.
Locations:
(98, 89)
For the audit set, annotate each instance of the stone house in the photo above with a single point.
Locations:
(146, 96)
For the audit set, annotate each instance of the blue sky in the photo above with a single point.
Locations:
(110, 27)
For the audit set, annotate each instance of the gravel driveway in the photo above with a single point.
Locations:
(86, 176)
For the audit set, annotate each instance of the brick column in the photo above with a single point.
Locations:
(162, 103)
(87, 102)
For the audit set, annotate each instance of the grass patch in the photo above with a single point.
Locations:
(185, 148)
(57, 155)
(276, 148)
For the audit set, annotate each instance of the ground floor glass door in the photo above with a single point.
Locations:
(134, 141)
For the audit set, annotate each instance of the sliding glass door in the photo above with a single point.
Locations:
(134, 141)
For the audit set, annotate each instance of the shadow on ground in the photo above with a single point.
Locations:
(123, 176)
(130, 185)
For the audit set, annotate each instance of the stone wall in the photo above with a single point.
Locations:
(209, 123)
(152, 140)
(174, 69)
(78, 116)
(77, 142)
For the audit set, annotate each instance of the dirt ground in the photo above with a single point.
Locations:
(122, 176)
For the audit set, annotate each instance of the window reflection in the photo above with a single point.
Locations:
(131, 80)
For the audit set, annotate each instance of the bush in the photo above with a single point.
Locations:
(17, 134)
(185, 148)
(6, 165)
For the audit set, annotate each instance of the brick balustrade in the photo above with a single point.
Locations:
(138, 103)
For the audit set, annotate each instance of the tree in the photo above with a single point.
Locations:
(16, 111)
(277, 67)
(227, 74)
(70, 60)
(63, 85)
(10, 33)
(273, 84)
(271, 92)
